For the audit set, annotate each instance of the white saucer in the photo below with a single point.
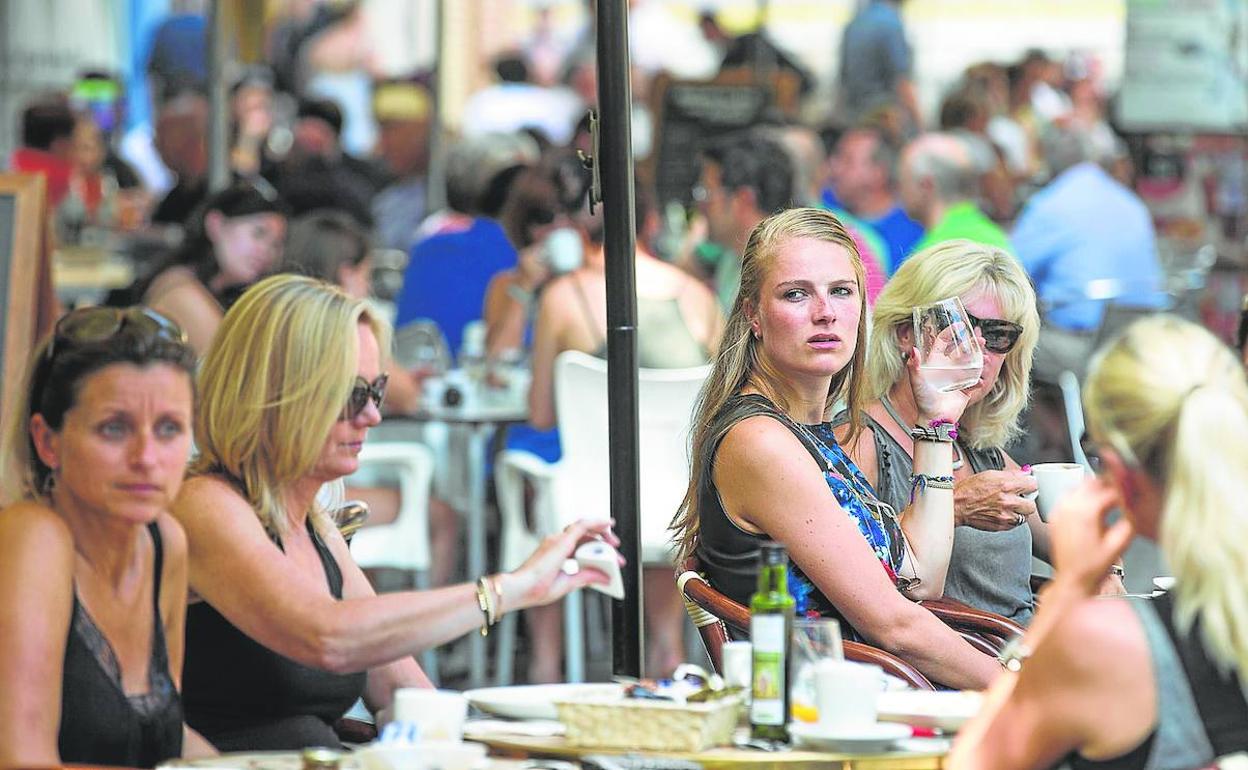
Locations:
(878, 737)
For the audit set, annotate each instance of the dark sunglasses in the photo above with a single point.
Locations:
(362, 392)
(1091, 451)
(999, 336)
(99, 324)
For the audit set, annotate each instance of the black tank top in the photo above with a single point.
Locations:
(100, 724)
(241, 695)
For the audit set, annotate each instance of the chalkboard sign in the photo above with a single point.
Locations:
(688, 114)
(22, 263)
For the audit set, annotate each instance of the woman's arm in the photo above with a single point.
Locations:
(186, 301)
(768, 483)
(37, 571)
(240, 572)
(546, 346)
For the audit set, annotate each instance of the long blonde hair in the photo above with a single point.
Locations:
(1173, 400)
(738, 362)
(960, 268)
(273, 384)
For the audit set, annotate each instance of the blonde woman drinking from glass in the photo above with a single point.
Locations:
(1131, 683)
(766, 465)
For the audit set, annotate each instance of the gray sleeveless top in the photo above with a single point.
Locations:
(1201, 713)
(987, 570)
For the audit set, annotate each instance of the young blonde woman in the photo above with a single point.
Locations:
(1129, 683)
(766, 465)
(289, 633)
(996, 529)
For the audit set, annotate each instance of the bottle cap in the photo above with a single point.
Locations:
(771, 554)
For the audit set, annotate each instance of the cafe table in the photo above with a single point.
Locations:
(917, 754)
(481, 416)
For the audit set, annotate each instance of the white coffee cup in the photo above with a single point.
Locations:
(738, 664)
(1054, 481)
(845, 694)
(439, 714)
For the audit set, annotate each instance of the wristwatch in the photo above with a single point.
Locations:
(1014, 654)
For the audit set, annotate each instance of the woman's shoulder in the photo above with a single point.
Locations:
(179, 277)
(32, 524)
(759, 437)
(208, 492)
(172, 537)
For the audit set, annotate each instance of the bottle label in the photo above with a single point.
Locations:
(767, 636)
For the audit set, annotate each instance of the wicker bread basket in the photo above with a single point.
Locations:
(654, 725)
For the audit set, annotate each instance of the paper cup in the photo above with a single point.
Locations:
(439, 714)
(1054, 481)
(845, 693)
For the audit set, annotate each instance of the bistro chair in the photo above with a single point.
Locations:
(713, 613)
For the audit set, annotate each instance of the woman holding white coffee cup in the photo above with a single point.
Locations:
(1131, 683)
(996, 530)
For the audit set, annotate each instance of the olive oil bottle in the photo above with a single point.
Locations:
(771, 633)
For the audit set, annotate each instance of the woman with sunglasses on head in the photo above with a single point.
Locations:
(93, 565)
(766, 465)
(289, 633)
(996, 527)
(233, 239)
(1127, 682)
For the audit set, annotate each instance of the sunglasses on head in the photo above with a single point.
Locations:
(999, 336)
(99, 324)
(362, 392)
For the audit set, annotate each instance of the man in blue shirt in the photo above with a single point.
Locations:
(865, 170)
(1084, 239)
(876, 64)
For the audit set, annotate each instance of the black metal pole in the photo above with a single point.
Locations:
(615, 163)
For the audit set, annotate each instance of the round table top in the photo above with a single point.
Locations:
(730, 758)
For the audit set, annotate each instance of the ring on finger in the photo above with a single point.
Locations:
(1019, 519)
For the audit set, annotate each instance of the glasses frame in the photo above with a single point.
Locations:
(995, 326)
(361, 392)
(101, 323)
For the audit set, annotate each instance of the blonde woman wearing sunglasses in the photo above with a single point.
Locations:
(289, 633)
(996, 529)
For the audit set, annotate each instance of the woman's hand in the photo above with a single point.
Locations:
(1084, 546)
(541, 579)
(532, 268)
(933, 404)
(993, 500)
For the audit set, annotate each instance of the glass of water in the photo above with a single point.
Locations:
(945, 343)
(814, 639)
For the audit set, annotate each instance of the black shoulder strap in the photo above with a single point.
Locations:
(158, 551)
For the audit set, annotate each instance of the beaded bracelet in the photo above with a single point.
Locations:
(921, 482)
(487, 600)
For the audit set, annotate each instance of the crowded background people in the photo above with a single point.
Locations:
(92, 620)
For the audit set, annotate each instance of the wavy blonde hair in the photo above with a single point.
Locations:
(738, 362)
(1172, 399)
(272, 385)
(960, 268)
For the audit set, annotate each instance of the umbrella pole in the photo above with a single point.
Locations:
(614, 165)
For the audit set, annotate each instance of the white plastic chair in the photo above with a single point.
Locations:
(404, 543)
(578, 485)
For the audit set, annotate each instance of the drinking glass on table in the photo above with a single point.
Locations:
(420, 347)
(814, 639)
(948, 352)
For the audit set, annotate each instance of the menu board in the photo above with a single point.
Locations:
(1186, 66)
(688, 114)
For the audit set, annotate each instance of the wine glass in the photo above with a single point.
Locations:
(420, 347)
(948, 352)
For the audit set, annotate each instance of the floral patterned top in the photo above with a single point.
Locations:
(729, 554)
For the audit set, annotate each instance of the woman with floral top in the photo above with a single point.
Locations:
(765, 458)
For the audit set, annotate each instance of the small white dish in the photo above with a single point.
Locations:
(940, 710)
(875, 738)
(536, 701)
